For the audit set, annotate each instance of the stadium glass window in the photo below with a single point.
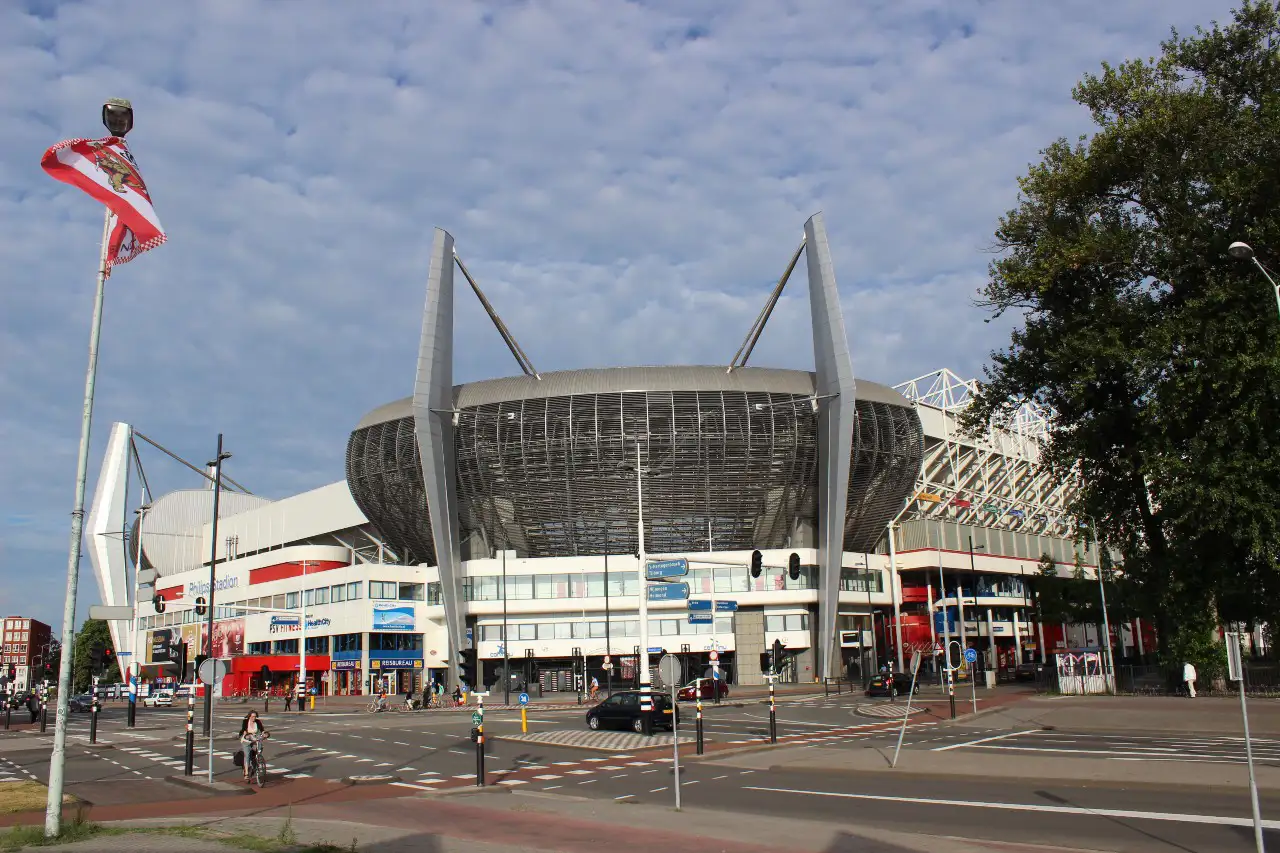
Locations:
(595, 584)
(353, 590)
(285, 647)
(317, 645)
(395, 642)
(260, 648)
(338, 593)
(527, 632)
(860, 580)
(291, 600)
(322, 595)
(382, 590)
(346, 642)
(724, 625)
(279, 601)
(617, 584)
(412, 592)
(579, 630)
(434, 595)
(546, 631)
(519, 587)
(544, 586)
(564, 631)
(597, 629)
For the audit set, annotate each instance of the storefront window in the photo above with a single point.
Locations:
(285, 647)
(346, 643)
(412, 592)
(395, 642)
(260, 648)
(317, 645)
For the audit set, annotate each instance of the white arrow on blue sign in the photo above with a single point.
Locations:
(701, 618)
(659, 569)
(699, 604)
(668, 591)
(726, 607)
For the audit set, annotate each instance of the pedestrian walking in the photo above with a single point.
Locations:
(33, 706)
(1189, 676)
(288, 700)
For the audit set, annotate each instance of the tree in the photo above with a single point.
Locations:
(93, 634)
(1158, 354)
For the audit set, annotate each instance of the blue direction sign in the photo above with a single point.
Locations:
(701, 618)
(668, 591)
(699, 604)
(659, 569)
(726, 607)
(971, 655)
(524, 698)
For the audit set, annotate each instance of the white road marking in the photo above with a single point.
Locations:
(625, 797)
(547, 777)
(1132, 755)
(656, 790)
(411, 785)
(982, 740)
(1131, 814)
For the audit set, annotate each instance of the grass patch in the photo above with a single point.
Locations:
(78, 829)
(26, 797)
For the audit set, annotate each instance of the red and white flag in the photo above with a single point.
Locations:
(106, 170)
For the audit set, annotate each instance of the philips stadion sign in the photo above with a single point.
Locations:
(202, 587)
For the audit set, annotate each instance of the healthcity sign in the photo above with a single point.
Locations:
(288, 624)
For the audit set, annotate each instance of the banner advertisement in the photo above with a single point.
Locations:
(228, 638)
(288, 624)
(393, 617)
(160, 643)
(194, 635)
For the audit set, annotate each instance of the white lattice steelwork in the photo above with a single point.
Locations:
(994, 481)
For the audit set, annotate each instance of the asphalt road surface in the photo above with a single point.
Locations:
(430, 750)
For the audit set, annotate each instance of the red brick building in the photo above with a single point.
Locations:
(24, 645)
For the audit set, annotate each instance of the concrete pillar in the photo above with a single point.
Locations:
(749, 644)
(1017, 639)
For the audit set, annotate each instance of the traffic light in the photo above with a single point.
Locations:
(13, 672)
(467, 666)
(201, 606)
(266, 675)
(108, 657)
(793, 567)
(757, 563)
(157, 602)
(776, 657)
(95, 659)
(199, 660)
(184, 649)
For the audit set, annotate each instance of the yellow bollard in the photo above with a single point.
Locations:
(313, 703)
(524, 720)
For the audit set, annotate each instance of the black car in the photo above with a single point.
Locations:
(83, 702)
(1027, 672)
(622, 710)
(880, 684)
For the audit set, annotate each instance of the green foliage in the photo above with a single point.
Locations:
(93, 632)
(1158, 353)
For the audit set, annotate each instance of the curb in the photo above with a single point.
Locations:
(464, 790)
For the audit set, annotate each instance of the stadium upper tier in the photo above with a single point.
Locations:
(546, 466)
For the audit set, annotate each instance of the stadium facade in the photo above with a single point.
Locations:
(503, 515)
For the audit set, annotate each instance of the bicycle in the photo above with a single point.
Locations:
(257, 760)
(376, 706)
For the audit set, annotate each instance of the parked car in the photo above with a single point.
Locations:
(622, 710)
(83, 702)
(1027, 672)
(705, 688)
(159, 699)
(880, 684)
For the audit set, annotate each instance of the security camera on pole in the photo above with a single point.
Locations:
(105, 169)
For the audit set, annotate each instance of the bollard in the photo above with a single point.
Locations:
(132, 713)
(190, 757)
(699, 723)
(773, 716)
(266, 704)
(524, 720)
(480, 745)
(92, 715)
(8, 712)
(44, 714)
(951, 692)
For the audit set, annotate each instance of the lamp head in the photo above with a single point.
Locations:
(1240, 251)
(117, 116)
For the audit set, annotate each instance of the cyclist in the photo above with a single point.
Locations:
(595, 688)
(251, 731)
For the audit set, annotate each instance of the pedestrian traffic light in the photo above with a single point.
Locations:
(157, 601)
(201, 607)
(757, 563)
(793, 567)
(467, 666)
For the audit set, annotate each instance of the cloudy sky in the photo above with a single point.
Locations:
(626, 180)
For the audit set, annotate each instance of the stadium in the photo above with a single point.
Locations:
(505, 516)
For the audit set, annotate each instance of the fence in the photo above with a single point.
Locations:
(1260, 679)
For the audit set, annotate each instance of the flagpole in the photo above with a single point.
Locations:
(57, 760)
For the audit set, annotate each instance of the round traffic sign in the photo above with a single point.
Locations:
(524, 698)
(212, 670)
(971, 655)
(715, 655)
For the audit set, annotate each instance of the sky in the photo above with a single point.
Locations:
(626, 180)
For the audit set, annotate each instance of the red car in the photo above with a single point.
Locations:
(704, 687)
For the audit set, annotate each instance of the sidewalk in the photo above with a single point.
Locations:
(506, 822)
(1139, 714)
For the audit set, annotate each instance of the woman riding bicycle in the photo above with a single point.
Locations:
(252, 731)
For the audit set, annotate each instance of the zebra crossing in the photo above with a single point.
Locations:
(12, 772)
(605, 741)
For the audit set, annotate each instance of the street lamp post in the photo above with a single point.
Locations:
(117, 115)
(506, 656)
(1244, 252)
(646, 696)
(216, 465)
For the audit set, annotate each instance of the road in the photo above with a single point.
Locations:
(432, 750)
